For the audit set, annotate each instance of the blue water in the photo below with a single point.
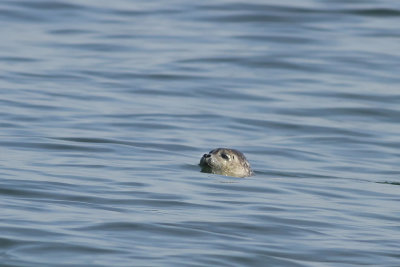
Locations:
(107, 106)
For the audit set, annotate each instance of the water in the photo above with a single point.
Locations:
(107, 107)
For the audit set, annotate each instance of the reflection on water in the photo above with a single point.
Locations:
(107, 109)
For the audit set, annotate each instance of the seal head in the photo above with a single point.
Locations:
(225, 161)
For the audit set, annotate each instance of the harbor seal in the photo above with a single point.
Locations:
(225, 161)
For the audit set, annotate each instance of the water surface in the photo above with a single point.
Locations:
(106, 109)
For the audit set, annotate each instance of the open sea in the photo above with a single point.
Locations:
(106, 108)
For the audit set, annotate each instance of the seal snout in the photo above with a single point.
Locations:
(204, 162)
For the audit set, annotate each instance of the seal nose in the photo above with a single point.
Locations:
(206, 155)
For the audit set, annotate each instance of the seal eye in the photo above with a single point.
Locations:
(225, 156)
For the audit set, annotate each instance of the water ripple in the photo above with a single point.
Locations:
(108, 107)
